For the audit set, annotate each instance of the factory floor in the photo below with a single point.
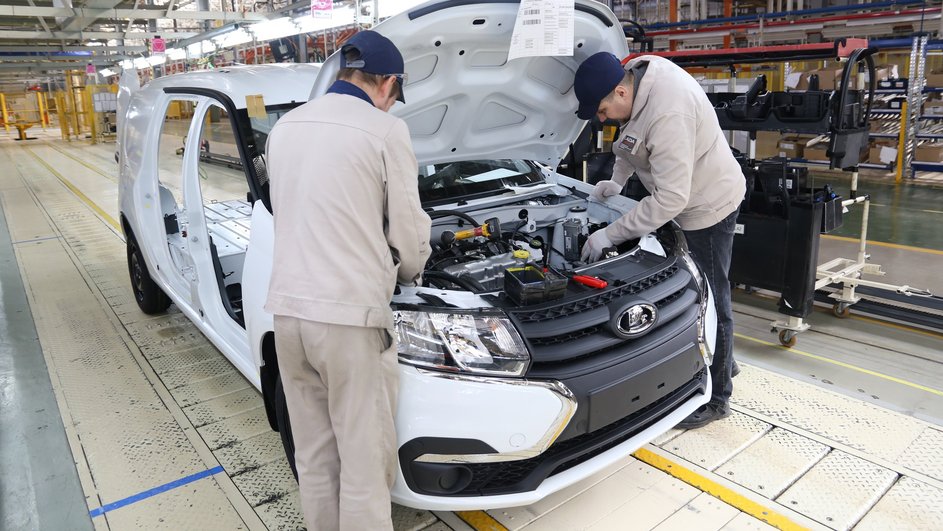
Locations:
(111, 419)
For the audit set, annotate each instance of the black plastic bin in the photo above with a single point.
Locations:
(780, 253)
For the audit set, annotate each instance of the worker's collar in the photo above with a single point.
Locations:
(348, 88)
(643, 83)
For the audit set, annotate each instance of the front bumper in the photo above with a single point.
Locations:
(476, 443)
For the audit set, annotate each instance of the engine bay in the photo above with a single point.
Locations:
(532, 245)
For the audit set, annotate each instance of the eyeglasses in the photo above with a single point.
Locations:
(399, 77)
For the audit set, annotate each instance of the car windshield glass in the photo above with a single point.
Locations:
(459, 180)
(261, 127)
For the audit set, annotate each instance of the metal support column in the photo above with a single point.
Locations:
(918, 60)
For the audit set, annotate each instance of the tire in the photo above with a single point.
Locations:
(150, 298)
(284, 425)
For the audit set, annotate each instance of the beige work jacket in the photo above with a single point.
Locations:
(348, 220)
(675, 144)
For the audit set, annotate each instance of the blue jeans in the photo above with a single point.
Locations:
(711, 249)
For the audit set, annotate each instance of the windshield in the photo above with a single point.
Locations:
(447, 182)
(261, 127)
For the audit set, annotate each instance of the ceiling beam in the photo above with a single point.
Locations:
(84, 18)
(57, 48)
(88, 35)
(42, 21)
(137, 14)
(52, 65)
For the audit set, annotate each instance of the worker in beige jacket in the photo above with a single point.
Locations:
(348, 227)
(670, 137)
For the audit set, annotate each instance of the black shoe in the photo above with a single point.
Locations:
(704, 415)
(735, 370)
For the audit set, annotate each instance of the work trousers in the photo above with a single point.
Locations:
(711, 249)
(341, 385)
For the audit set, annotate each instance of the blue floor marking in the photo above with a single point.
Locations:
(153, 492)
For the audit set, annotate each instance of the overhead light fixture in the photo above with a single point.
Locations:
(274, 29)
(199, 49)
(94, 43)
(127, 64)
(107, 72)
(176, 54)
(233, 38)
(213, 33)
(157, 59)
(141, 63)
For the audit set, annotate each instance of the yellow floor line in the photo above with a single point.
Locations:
(480, 520)
(843, 364)
(78, 193)
(95, 169)
(717, 490)
(883, 244)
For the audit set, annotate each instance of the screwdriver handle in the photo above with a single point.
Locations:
(591, 282)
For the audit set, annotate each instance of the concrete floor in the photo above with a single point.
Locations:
(137, 422)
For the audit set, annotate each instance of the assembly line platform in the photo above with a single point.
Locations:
(845, 431)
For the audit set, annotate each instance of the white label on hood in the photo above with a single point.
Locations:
(543, 27)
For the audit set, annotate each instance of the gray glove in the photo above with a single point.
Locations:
(594, 246)
(607, 189)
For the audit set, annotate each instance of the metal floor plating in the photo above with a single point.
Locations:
(147, 401)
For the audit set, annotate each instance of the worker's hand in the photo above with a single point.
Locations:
(594, 246)
(606, 189)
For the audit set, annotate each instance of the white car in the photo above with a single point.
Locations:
(507, 392)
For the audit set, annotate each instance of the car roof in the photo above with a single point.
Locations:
(277, 83)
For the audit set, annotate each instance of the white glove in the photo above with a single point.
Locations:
(606, 189)
(594, 246)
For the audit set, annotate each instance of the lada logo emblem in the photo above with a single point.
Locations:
(634, 320)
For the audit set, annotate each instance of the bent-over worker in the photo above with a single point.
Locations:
(671, 138)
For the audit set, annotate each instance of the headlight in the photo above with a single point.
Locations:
(680, 250)
(482, 344)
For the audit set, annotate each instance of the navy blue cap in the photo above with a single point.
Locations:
(596, 77)
(378, 55)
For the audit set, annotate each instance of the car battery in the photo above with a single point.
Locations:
(529, 285)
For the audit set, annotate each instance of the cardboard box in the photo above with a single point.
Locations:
(935, 79)
(929, 152)
(933, 108)
(767, 144)
(882, 152)
(791, 147)
(816, 152)
(828, 78)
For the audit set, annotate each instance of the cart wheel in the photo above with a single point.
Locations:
(841, 310)
(788, 338)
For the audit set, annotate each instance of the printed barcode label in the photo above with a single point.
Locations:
(530, 12)
(530, 22)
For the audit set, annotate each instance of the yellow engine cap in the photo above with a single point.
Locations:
(522, 254)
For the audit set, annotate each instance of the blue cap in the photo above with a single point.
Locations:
(596, 77)
(378, 55)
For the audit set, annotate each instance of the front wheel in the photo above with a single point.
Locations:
(150, 298)
(284, 425)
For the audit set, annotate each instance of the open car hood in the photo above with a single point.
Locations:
(466, 101)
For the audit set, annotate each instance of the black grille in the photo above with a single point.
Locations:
(571, 308)
(512, 476)
(564, 338)
(670, 298)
